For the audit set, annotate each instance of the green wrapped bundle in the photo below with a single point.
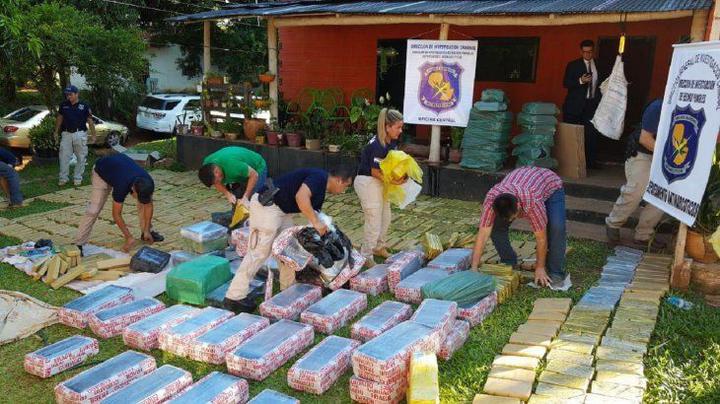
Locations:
(534, 140)
(540, 108)
(493, 95)
(536, 120)
(191, 281)
(464, 287)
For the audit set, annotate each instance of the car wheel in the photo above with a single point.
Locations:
(113, 139)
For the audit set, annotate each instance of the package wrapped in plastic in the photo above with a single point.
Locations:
(180, 338)
(77, 312)
(524, 118)
(179, 256)
(287, 249)
(404, 266)
(203, 231)
(490, 106)
(113, 321)
(542, 139)
(452, 260)
(431, 244)
(190, 282)
(98, 382)
(144, 333)
(205, 247)
(269, 349)
(540, 108)
(455, 339)
(373, 281)
(544, 162)
(493, 95)
(385, 316)
(394, 167)
(215, 388)
(148, 259)
(423, 380)
(269, 396)
(60, 356)
(464, 287)
(321, 366)
(153, 388)
(398, 255)
(437, 314)
(371, 392)
(409, 290)
(385, 358)
(334, 310)
(240, 238)
(289, 303)
(476, 313)
(214, 345)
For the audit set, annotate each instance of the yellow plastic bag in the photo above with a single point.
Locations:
(239, 215)
(424, 387)
(394, 167)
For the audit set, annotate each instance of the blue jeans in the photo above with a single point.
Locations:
(239, 189)
(556, 235)
(13, 180)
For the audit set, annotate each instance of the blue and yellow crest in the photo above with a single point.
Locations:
(681, 146)
(439, 86)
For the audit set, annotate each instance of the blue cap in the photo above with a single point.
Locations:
(70, 89)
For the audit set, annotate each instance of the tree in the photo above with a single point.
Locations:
(14, 42)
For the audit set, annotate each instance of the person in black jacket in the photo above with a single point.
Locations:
(583, 96)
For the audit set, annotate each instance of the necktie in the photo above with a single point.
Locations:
(590, 84)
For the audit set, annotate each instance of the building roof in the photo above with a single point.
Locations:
(457, 7)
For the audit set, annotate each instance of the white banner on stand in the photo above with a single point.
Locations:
(439, 81)
(687, 133)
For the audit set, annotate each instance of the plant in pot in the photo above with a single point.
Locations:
(266, 77)
(335, 138)
(230, 129)
(292, 134)
(697, 245)
(251, 124)
(274, 133)
(43, 141)
(456, 138)
(212, 131)
(197, 128)
(315, 127)
(214, 79)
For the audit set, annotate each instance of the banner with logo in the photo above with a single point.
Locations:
(687, 132)
(439, 80)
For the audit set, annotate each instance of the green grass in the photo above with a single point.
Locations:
(36, 206)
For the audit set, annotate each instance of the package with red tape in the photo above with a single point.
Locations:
(403, 265)
(153, 388)
(385, 316)
(179, 339)
(373, 281)
(370, 392)
(289, 303)
(409, 290)
(111, 322)
(144, 333)
(334, 310)
(437, 314)
(455, 339)
(452, 259)
(77, 312)
(321, 366)
(60, 356)
(215, 388)
(215, 344)
(476, 313)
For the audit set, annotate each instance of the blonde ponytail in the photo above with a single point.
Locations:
(385, 118)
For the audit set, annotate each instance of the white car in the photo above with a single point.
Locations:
(163, 112)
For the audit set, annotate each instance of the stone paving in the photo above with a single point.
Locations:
(181, 200)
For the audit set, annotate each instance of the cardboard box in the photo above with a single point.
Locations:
(569, 150)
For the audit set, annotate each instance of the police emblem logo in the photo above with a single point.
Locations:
(681, 145)
(439, 86)
(81, 107)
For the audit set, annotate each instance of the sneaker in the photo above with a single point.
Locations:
(239, 306)
(381, 252)
(613, 234)
(562, 284)
(82, 253)
(157, 237)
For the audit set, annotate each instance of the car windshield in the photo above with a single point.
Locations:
(159, 103)
(22, 115)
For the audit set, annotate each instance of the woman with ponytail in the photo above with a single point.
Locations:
(369, 185)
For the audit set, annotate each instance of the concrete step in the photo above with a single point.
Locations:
(594, 211)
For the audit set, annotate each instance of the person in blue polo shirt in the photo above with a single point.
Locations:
(120, 175)
(9, 178)
(73, 119)
(300, 191)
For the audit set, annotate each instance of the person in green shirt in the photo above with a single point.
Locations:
(229, 168)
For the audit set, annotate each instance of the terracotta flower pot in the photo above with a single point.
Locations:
(197, 130)
(699, 248)
(313, 144)
(251, 128)
(294, 139)
(266, 78)
(214, 81)
(272, 138)
(261, 104)
(706, 278)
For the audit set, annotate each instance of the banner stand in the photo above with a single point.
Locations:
(677, 281)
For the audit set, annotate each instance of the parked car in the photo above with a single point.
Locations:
(163, 112)
(15, 128)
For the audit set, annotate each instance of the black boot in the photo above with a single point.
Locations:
(239, 306)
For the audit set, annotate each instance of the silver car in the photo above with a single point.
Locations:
(15, 128)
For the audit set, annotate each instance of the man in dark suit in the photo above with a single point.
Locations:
(583, 96)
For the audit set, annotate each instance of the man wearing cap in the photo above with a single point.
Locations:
(73, 119)
(122, 176)
(9, 178)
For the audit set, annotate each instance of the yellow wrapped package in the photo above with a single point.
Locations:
(240, 213)
(432, 244)
(424, 387)
(394, 167)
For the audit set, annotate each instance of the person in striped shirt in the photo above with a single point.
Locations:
(536, 194)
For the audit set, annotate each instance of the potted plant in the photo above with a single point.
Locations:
(456, 137)
(315, 127)
(274, 133)
(211, 131)
(251, 125)
(43, 141)
(335, 139)
(697, 245)
(262, 103)
(197, 127)
(260, 136)
(292, 134)
(214, 79)
(266, 77)
(230, 129)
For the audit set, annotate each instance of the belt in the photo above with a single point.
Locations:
(73, 130)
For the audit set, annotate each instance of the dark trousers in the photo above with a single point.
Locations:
(556, 236)
(591, 134)
(238, 189)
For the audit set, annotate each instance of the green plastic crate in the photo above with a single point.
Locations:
(191, 281)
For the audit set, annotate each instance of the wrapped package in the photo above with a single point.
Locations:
(214, 345)
(203, 231)
(240, 238)
(398, 255)
(334, 310)
(477, 312)
(403, 265)
(380, 319)
(423, 384)
(144, 333)
(269, 349)
(385, 358)
(464, 287)
(180, 339)
(373, 281)
(207, 246)
(178, 257)
(148, 259)
(455, 339)
(432, 244)
(100, 381)
(215, 388)
(437, 314)
(453, 260)
(153, 388)
(348, 272)
(409, 290)
(77, 312)
(113, 321)
(321, 366)
(287, 249)
(60, 356)
(269, 396)
(372, 392)
(192, 281)
(289, 303)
